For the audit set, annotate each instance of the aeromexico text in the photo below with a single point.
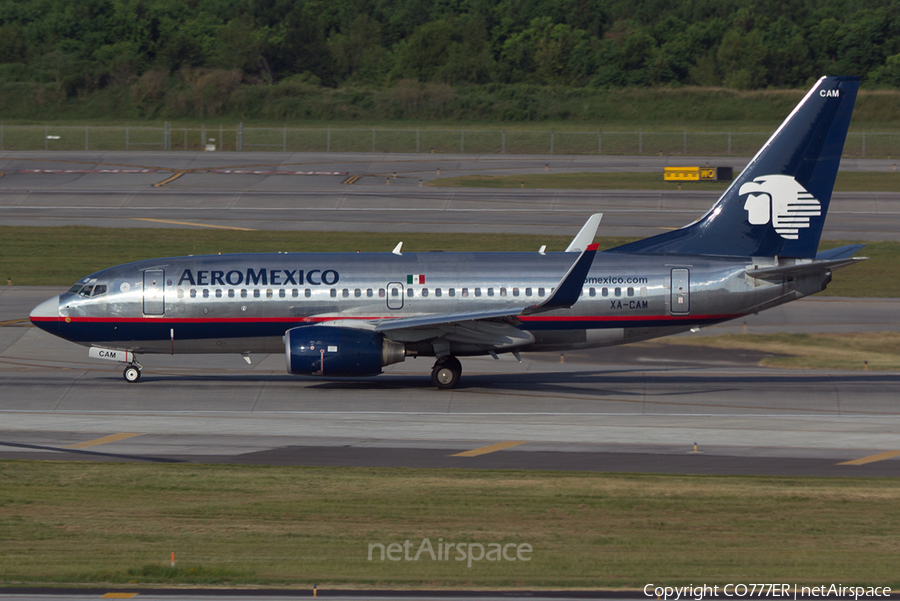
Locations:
(299, 277)
(260, 277)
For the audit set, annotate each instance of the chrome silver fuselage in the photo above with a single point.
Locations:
(245, 303)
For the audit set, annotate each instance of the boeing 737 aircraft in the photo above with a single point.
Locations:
(336, 314)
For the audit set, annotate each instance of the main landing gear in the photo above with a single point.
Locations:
(132, 373)
(446, 371)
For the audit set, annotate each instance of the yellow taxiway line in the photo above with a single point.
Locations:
(219, 227)
(119, 596)
(104, 440)
(490, 448)
(171, 178)
(873, 458)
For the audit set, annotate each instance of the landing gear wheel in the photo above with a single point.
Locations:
(131, 374)
(446, 372)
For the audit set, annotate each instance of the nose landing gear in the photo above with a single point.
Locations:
(132, 373)
(446, 372)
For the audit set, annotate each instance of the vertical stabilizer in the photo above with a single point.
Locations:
(777, 205)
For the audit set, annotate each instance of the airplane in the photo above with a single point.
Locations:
(340, 314)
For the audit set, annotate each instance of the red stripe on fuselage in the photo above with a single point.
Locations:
(523, 318)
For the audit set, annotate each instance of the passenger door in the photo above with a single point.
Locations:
(154, 292)
(681, 292)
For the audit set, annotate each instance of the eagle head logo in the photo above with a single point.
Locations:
(781, 200)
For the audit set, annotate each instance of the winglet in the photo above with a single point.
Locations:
(396, 250)
(586, 235)
(569, 288)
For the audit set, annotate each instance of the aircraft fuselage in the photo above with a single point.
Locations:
(245, 303)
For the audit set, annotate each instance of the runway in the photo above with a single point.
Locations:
(253, 190)
(623, 409)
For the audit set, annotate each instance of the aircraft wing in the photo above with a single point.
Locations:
(562, 296)
(440, 319)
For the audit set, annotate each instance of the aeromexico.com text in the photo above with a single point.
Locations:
(260, 277)
(441, 551)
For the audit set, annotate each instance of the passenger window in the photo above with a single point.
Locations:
(478, 292)
(643, 291)
(269, 293)
(180, 293)
(528, 292)
(437, 291)
(193, 293)
(206, 293)
(256, 293)
(465, 292)
(515, 292)
(218, 294)
(243, 294)
(605, 292)
(452, 292)
(424, 292)
(618, 291)
(630, 291)
(369, 293)
(540, 292)
(295, 293)
(333, 292)
(490, 292)
(357, 293)
(231, 293)
(98, 290)
(503, 292)
(307, 293)
(395, 293)
(410, 293)
(281, 293)
(381, 292)
(345, 293)
(592, 292)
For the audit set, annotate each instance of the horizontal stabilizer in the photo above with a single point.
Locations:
(841, 252)
(805, 268)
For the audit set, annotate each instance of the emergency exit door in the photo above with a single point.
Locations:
(680, 303)
(395, 295)
(154, 292)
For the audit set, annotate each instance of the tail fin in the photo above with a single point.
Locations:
(777, 205)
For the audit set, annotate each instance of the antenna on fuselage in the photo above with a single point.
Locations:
(396, 250)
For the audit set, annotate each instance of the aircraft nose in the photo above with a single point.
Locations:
(46, 315)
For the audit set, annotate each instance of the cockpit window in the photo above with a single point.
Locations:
(86, 291)
(76, 288)
(98, 290)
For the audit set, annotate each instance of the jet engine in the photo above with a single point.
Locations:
(337, 351)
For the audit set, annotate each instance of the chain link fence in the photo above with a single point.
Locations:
(462, 141)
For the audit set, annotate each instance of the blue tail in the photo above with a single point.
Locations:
(777, 205)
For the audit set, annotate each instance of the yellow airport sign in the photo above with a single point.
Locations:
(689, 174)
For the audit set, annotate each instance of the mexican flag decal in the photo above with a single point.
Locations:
(415, 279)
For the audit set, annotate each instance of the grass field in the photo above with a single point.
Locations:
(118, 523)
(59, 256)
(847, 181)
(857, 351)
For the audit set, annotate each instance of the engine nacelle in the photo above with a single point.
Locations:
(337, 351)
